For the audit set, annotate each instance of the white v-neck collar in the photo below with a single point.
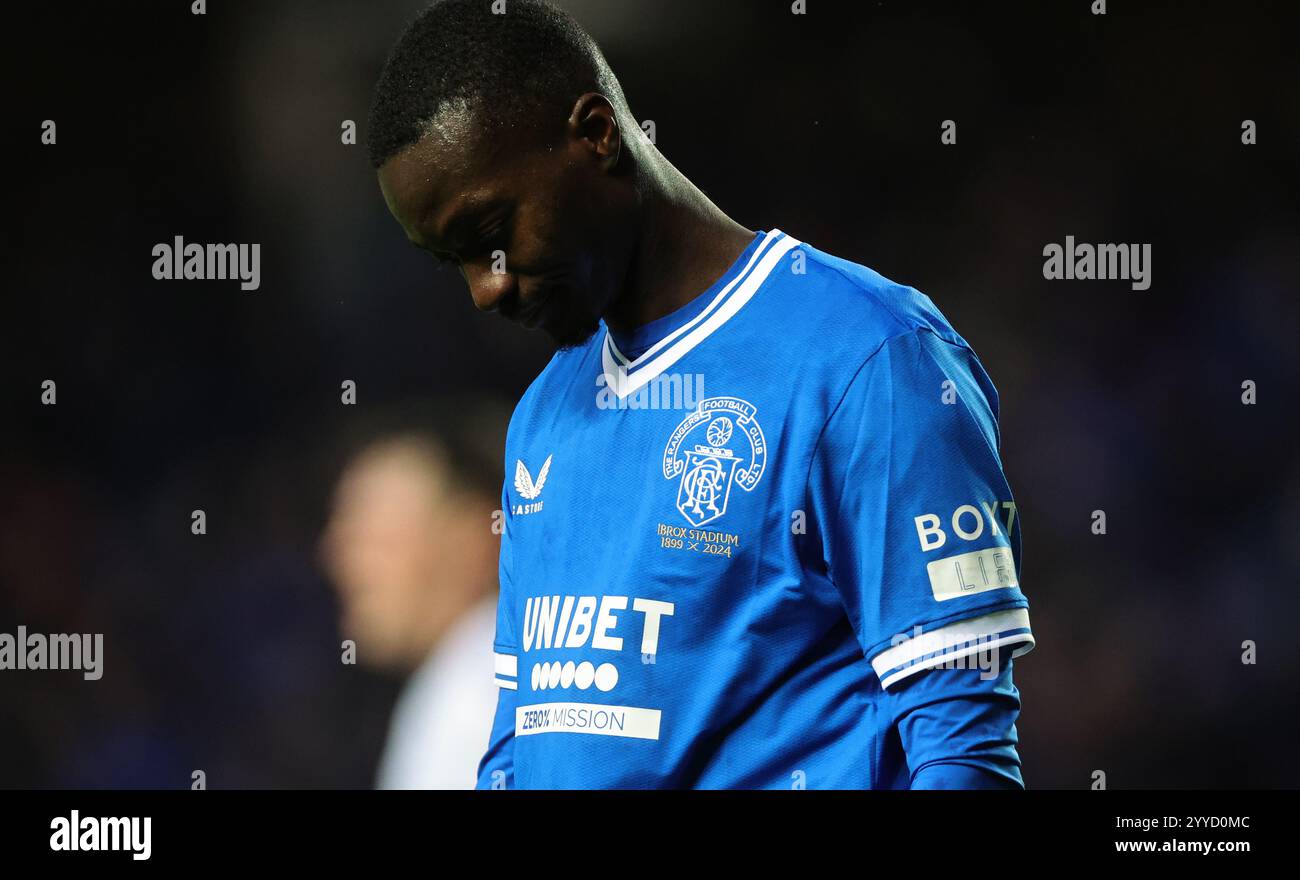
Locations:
(624, 375)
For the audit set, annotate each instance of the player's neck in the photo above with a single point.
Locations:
(686, 244)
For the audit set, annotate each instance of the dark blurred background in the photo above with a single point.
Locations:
(222, 651)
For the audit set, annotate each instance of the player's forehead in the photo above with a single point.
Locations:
(454, 170)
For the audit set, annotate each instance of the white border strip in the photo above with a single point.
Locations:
(622, 383)
(646, 355)
(505, 664)
(989, 631)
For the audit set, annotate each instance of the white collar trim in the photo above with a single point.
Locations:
(623, 376)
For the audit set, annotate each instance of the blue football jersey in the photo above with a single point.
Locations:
(733, 536)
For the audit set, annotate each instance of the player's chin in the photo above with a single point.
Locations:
(571, 326)
(573, 337)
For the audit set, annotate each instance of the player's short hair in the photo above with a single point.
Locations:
(513, 71)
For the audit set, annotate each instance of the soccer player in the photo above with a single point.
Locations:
(757, 532)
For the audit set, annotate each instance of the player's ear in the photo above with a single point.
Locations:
(594, 123)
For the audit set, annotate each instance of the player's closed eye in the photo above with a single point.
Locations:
(492, 240)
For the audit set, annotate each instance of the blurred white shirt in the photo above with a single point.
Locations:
(443, 719)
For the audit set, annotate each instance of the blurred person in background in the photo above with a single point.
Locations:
(412, 553)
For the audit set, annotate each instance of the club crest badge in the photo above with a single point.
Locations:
(719, 444)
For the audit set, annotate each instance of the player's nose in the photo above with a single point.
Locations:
(487, 288)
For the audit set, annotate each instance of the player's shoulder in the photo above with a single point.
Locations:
(838, 302)
(856, 313)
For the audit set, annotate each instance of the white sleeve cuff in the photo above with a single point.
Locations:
(949, 643)
(506, 667)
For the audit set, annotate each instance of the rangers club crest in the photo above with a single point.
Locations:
(718, 444)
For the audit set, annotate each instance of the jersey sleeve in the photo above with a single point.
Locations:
(496, 769)
(917, 523)
(958, 726)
